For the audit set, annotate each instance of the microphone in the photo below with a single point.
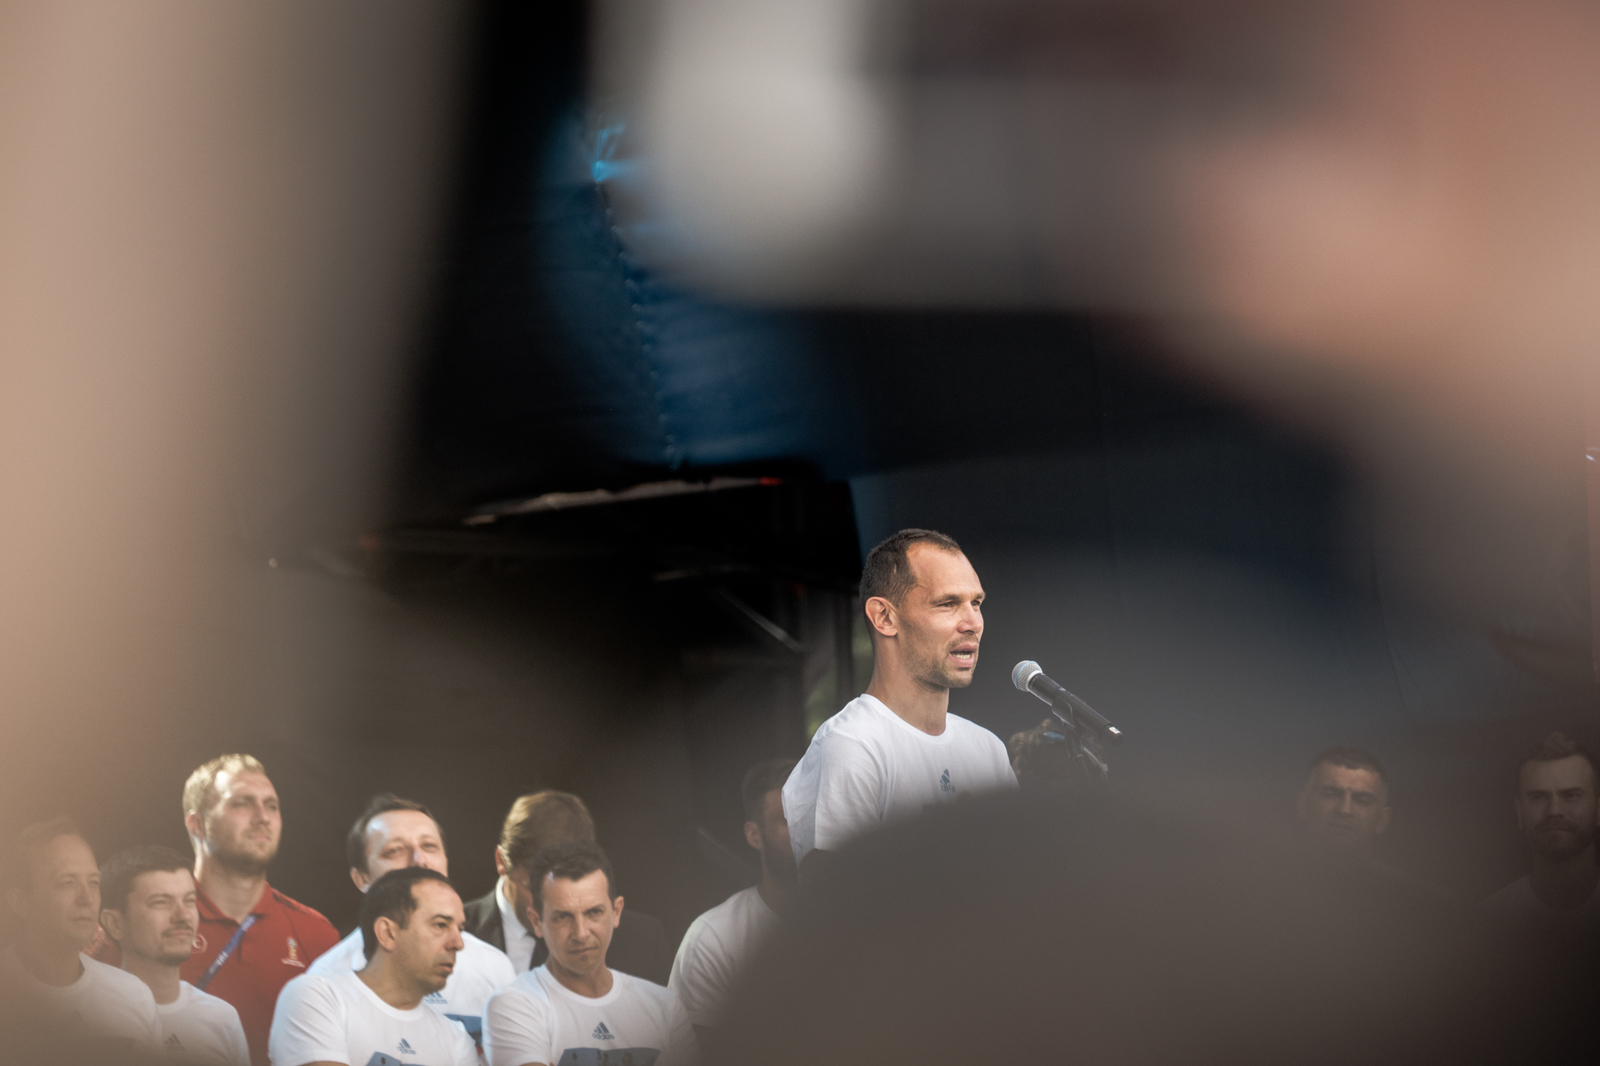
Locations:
(1029, 676)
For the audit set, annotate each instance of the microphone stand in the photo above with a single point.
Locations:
(1081, 744)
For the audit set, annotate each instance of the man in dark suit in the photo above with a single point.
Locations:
(536, 821)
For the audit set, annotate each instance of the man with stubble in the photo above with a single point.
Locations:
(252, 939)
(897, 749)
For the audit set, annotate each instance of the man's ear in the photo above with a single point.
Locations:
(752, 834)
(881, 616)
(363, 882)
(501, 866)
(385, 930)
(195, 824)
(535, 922)
(616, 911)
(111, 922)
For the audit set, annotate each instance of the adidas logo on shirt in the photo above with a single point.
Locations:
(173, 1043)
(434, 997)
(602, 1033)
(944, 782)
(405, 1048)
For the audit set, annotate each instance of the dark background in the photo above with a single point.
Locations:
(1208, 578)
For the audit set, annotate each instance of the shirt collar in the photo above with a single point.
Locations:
(508, 916)
(210, 913)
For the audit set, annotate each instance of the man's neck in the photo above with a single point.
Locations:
(504, 890)
(233, 893)
(919, 705)
(590, 985)
(49, 964)
(775, 894)
(379, 976)
(161, 977)
(1565, 884)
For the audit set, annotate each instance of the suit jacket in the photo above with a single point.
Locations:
(638, 946)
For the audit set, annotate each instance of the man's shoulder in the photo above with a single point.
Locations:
(118, 981)
(640, 989)
(341, 957)
(300, 910)
(720, 918)
(1518, 893)
(201, 1002)
(481, 913)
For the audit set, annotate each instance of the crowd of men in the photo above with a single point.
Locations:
(198, 959)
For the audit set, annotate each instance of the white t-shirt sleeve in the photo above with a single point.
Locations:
(701, 973)
(850, 792)
(463, 1052)
(516, 1030)
(682, 1048)
(308, 1025)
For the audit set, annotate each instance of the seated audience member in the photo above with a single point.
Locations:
(411, 925)
(148, 909)
(1557, 813)
(574, 1009)
(53, 889)
(1344, 803)
(1343, 808)
(535, 822)
(252, 938)
(393, 834)
(721, 941)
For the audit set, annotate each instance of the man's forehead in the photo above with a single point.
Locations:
(157, 882)
(65, 853)
(400, 823)
(242, 782)
(935, 569)
(436, 897)
(1356, 779)
(580, 894)
(1570, 772)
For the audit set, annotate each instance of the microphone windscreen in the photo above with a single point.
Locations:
(1024, 672)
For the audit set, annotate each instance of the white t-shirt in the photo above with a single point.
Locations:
(103, 1004)
(637, 1023)
(340, 1019)
(866, 765)
(715, 949)
(198, 1028)
(481, 969)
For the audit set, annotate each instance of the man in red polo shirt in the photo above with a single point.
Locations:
(231, 811)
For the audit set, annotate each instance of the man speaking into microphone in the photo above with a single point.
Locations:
(896, 748)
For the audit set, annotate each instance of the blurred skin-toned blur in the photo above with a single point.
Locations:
(202, 310)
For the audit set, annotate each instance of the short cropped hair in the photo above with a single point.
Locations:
(33, 839)
(119, 872)
(760, 779)
(540, 819)
(887, 572)
(571, 861)
(355, 845)
(197, 790)
(1352, 759)
(1558, 746)
(392, 896)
